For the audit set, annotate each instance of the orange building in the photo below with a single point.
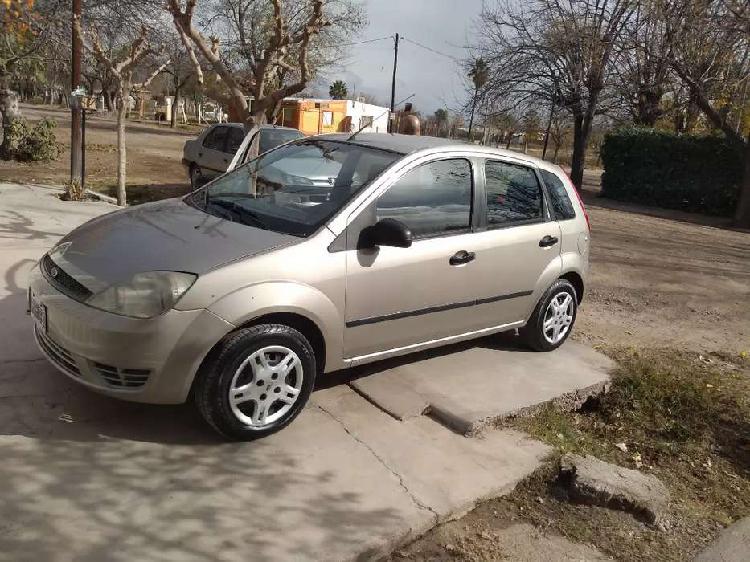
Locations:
(314, 117)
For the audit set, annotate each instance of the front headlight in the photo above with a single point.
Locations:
(146, 295)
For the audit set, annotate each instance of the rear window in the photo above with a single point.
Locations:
(234, 139)
(561, 205)
(271, 138)
(215, 138)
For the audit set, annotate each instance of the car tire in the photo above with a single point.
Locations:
(553, 318)
(196, 177)
(256, 381)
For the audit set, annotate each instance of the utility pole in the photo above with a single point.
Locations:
(393, 83)
(75, 116)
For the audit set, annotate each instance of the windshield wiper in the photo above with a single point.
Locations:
(242, 212)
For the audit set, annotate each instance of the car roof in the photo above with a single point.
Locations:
(403, 144)
(264, 126)
(408, 144)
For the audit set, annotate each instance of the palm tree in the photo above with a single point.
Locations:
(338, 90)
(478, 73)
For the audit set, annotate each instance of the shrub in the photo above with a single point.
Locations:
(14, 136)
(39, 143)
(691, 173)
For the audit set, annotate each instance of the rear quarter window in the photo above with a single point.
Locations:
(559, 200)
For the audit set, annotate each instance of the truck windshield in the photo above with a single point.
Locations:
(294, 189)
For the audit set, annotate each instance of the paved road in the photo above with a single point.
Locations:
(85, 477)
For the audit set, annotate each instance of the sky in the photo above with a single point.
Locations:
(442, 25)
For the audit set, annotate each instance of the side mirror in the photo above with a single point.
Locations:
(386, 232)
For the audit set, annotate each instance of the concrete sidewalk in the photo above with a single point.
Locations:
(85, 477)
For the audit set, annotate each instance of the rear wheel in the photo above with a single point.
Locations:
(256, 381)
(553, 318)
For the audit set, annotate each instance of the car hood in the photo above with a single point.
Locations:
(168, 235)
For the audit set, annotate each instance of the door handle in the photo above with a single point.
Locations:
(461, 257)
(547, 241)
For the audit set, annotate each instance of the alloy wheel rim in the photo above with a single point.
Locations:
(558, 317)
(266, 386)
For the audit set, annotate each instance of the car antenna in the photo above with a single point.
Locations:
(378, 117)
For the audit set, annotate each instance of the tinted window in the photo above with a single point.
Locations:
(295, 188)
(561, 205)
(271, 138)
(431, 199)
(215, 138)
(513, 193)
(234, 139)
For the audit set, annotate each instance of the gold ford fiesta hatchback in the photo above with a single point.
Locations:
(321, 254)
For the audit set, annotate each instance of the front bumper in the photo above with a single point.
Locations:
(152, 360)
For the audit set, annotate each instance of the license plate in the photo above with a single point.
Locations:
(38, 313)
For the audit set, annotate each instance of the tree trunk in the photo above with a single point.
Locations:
(581, 129)
(10, 112)
(742, 214)
(107, 99)
(649, 108)
(175, 105)
(509, 139)
(121, 153)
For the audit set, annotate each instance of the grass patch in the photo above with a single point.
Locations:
(684, 418)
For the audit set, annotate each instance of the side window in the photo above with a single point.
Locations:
(513, 194)
(234, 139)
(561, 205)
(432, 199)
(215, 138)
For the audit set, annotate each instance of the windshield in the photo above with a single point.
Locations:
(271, 138)
(295, 188)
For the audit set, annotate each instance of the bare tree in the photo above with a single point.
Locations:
(642, 67)
(711, 55)
(548, 48)
(122, 71)
(271, 48)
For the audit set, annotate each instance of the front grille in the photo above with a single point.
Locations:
(122, 378)
(62, 281)
(57, 354)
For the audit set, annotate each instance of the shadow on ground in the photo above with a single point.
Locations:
(85, 477)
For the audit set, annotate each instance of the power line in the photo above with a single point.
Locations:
(365, 41)
(455, 59)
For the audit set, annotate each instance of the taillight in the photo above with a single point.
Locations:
(580, 201)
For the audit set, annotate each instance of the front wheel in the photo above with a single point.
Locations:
(553, 318)
(256, 381)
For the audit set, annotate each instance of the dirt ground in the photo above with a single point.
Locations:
(154, 154)
(659, 279)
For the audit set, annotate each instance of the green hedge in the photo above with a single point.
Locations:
(691, 173)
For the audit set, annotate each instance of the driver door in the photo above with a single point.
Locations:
(401, 297)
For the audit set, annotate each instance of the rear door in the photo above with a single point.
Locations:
(517, 246)
(212, 159)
